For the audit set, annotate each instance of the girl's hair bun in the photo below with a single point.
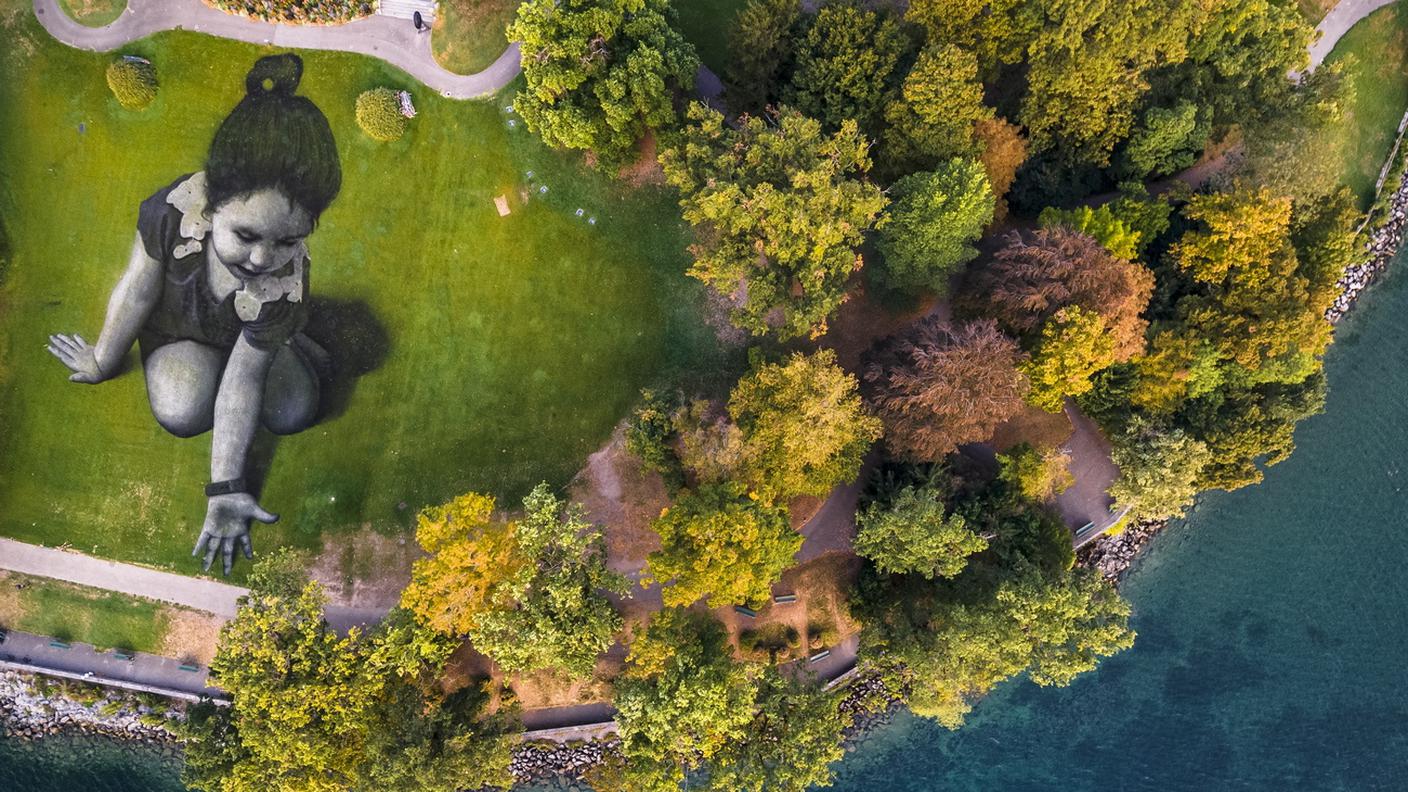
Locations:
(274, 74)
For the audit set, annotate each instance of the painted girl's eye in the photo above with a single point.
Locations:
(245, 236)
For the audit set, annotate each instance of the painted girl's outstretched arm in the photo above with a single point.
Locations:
(237, 408)
(129, 306)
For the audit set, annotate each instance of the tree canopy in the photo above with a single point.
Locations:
(845, 61)
(935, 116)
(600, 73)
(681, 700)
(527, 593)
(778, 210)
(931, 224)
(937, 387)
(718, 543)
(912, 533)
(1029, 280)
(804, 426)
(311, 710)
(790, 743)
(1074, 345)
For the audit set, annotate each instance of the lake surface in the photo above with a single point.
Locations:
(1272, 650)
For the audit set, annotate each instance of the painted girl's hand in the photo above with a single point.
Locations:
(227, 519)
(81, 358)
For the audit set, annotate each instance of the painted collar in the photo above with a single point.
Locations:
(189, 199)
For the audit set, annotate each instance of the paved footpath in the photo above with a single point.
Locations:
(21, 651)
(202, 594)
(1338, 22)
(395, 41)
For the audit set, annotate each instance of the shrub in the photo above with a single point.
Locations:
(133, 82)
(650, 433)
(379, 115)
(769, 641)
(821, 634)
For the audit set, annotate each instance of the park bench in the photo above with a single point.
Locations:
(189, 667)
(784, 599)
(819, 656)
(57, 644)
(746, 611)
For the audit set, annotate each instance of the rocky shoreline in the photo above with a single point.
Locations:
(1381, 245)
(32, 707)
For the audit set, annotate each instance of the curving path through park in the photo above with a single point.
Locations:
(395, 41)
(1345, 15)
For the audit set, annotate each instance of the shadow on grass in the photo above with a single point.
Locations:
(357, 344)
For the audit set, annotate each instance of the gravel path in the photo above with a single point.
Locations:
(392, 40)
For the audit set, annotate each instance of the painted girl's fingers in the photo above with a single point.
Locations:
(200, 542)
(81, 342)
(227, 549)
(63, 342)
(246, 546)
(212, 545)
(263, 516)
(63, 355)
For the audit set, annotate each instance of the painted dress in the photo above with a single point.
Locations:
(267, 311)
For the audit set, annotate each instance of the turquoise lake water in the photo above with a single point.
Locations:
(1272, 650)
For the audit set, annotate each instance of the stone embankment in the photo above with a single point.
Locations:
(1112, 556)
(559, 765)
(31, 708)
(1380, 246)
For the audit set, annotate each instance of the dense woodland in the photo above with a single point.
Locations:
(858, 149)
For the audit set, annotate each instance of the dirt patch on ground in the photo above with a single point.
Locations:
(822, 587)
(1042, 429)
(11, 608)
(623, 499)
(645, 170)
(862, 320)
(365, 569)
(191, 635)
(802, 509)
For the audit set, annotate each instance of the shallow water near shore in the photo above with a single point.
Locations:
(1273, 637)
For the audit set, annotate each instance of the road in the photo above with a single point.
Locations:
(395, 41)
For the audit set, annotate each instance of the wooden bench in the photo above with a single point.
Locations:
(746, 611)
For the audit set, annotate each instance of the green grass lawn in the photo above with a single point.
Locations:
(1379, 45)
(706, 24)
(502, 350)
(79, 613)
(469, 34)
(94, 13)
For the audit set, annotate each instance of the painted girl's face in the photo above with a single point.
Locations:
(257, 233)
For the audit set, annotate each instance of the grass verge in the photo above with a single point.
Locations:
(93, 13)
(469, 34)
(1379, 46)
(82, 614)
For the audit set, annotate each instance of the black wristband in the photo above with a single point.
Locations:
(228, 487)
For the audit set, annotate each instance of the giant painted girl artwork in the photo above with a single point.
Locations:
(215, 295)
